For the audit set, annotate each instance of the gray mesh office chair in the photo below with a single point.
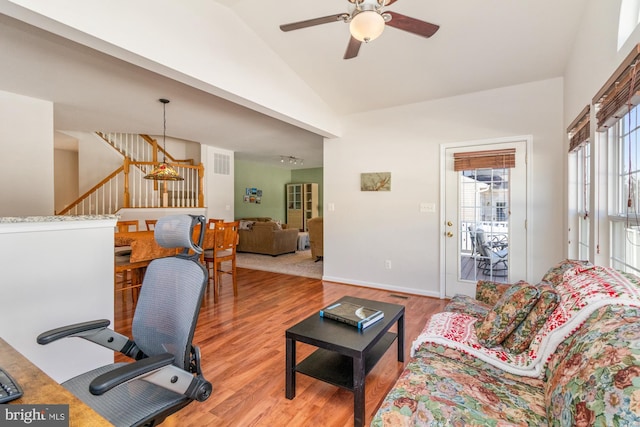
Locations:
(166, 375)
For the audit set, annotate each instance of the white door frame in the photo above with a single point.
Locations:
(528, 139)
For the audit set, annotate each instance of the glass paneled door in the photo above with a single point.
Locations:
(485, 215)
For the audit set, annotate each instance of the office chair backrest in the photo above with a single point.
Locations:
(172, 292)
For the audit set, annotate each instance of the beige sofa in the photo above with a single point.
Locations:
(264, 236)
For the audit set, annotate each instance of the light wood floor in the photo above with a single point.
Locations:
(242, 341)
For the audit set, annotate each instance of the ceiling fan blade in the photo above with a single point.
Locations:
(390, 2)
(352, 48)
(311, 22)
(412, 25)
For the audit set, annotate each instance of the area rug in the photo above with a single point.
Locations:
(295, 264)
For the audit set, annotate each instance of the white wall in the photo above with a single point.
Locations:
(218, 188)
(55, 272)
(367, 228)
(96, 159)
(26, 150)
(65, 178)
(226, 70)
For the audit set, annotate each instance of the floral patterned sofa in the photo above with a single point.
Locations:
(588, 376)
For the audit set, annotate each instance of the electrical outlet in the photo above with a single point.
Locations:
(387, 264)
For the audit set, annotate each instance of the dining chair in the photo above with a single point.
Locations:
(150, 223)
(213, 221)
(122, 263)
(129, 225)
(224, 250)
(128, 275)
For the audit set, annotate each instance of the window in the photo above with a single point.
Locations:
(617, 124)
(624, 216)
(628, 20)
(583, 184)
(580, 168)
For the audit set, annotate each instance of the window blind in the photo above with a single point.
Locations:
(620, 91)
(580, 130)
(489, 159)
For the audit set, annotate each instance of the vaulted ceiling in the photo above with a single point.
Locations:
(480, 45)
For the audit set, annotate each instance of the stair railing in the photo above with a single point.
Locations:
(142, 193)
(126, 187)
(103, 198)
(141, 148)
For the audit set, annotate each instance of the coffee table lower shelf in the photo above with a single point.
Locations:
(336, 369)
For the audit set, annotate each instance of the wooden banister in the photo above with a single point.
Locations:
(157, 148)
(113, 193)
(91, 191)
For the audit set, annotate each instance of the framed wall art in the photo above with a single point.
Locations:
(375, 181)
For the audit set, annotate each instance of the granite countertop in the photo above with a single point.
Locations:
(54, 218)
(26, 224)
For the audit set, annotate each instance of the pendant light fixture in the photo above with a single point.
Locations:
(164, 171)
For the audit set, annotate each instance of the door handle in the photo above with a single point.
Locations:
(449, 234)
(449, 223)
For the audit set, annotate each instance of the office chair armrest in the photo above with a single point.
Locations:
(157, 370)
(128, 372)
(71, 330)
(95, 331)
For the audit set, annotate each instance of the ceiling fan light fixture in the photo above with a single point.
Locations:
(366, 26)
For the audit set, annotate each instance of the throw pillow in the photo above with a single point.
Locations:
(520, 339)
(278, 224)
(489, 292)
(511, 309)
(245, 225)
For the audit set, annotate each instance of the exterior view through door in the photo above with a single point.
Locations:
(481, 217)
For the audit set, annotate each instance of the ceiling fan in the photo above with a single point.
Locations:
(367, 19)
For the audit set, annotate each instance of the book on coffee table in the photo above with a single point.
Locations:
(352, 314)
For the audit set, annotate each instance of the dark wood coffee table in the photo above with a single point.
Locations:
(345, 355)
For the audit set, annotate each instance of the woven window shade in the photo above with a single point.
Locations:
(580, 130)
(621, 90)
(491, 159)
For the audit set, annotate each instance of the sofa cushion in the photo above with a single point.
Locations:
(594, 375)
(506, 315)
(245, 225)
(445, 387)
(468, 305)
(257, 219)
(521, 337)
(556, 273)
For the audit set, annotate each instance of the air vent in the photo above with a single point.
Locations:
(221, 164)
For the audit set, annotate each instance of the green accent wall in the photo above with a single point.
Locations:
(271, 180)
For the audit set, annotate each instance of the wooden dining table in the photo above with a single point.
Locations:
(145, 248)
(143, 245)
